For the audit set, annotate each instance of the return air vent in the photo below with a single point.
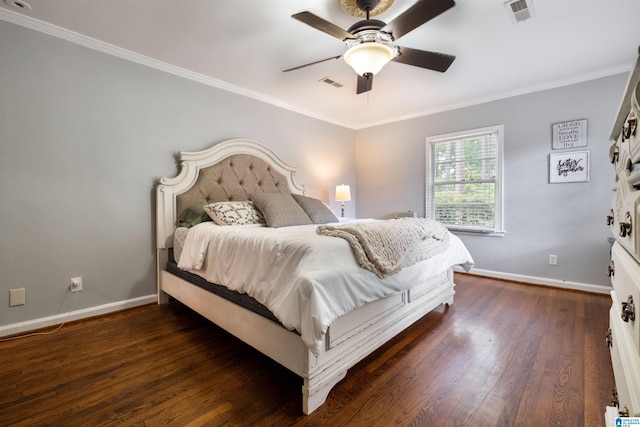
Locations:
(331, 82)
(519, 10)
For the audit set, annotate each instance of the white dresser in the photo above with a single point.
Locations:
(623, 336)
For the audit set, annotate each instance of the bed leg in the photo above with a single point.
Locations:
(449, 301)
(163, 298)
(314, 395)
(162, 255)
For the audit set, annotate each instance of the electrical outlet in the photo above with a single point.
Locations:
(76, 284)
(16, 297)
(553, 259)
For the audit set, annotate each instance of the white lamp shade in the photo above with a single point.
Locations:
(343, 193)
(368, 57)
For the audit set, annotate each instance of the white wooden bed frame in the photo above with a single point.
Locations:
(349, 339)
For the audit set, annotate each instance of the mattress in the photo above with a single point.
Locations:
(241, 299)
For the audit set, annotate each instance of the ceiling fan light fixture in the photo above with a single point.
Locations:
(368, 57)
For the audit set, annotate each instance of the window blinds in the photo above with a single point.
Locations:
(464, 180)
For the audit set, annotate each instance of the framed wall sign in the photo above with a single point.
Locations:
(570, 134)
(571, 166)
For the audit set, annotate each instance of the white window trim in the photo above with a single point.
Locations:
(499, 194)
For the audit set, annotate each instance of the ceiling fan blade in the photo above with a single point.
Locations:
(416, 15)
(322, 25)
(424, 59)
(311, 63)
(365, 83)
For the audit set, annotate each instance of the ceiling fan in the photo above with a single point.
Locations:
(370, 41)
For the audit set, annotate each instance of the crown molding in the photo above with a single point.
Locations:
(625, 68)
(128, 55)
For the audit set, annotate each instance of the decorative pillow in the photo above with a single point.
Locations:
(280, 209)
(234, 213)
(193, 215)
(317, 211)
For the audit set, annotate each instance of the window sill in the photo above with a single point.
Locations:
(484, 233)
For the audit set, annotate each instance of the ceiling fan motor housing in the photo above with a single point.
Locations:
(366, 25)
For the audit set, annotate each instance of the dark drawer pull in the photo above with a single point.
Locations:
(626, 227)
(611, 270)
(610, 218)
(608, 338)
(615, 156)
(628, 310)
(629, 128)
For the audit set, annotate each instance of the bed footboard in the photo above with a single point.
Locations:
(365, 330)
(350, 339)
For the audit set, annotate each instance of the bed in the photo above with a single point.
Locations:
(321, 354)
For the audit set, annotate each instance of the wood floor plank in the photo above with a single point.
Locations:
(504, 354)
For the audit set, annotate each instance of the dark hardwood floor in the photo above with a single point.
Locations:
(505, 354)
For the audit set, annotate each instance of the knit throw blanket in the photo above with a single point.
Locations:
(386, 246)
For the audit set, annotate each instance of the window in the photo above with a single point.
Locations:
(464, 184)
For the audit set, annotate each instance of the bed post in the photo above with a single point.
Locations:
(165, 220)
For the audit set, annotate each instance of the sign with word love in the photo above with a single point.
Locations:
(570, 134)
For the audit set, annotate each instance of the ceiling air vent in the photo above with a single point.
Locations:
(331, 82)
(519, 10)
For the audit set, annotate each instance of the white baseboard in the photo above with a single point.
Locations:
(43, 322)
(576, 286)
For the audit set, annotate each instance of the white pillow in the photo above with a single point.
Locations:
(234, 213)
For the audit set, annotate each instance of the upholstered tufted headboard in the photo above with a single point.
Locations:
(233, 178)
(230, 170)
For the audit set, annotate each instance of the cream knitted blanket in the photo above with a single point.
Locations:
(384, 247)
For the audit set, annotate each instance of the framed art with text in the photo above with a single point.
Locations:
(571, 134)
(569, 166)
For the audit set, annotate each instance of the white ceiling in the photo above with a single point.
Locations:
(243, 46)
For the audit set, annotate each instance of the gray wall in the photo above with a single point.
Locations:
(83, 138)
(540, 218)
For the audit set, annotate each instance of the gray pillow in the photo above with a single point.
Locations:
(280, 209)
(317, 211)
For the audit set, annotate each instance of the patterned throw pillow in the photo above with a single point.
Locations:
(234, 213)
(280, 209)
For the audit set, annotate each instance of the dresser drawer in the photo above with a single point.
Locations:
(625, 279)
(626, 365)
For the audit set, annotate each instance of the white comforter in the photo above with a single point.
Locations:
(306, 280)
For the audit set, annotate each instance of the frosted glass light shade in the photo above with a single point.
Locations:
(368, 57)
